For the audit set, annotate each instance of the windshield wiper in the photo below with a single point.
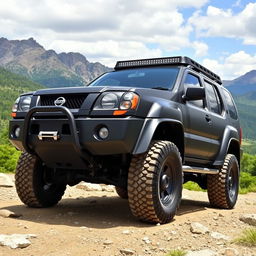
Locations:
(160, 88)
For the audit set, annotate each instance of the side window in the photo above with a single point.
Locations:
(192, 80)
(213, 97)
(231, 105)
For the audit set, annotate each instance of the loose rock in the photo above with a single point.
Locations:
(9, 214)
(126, 232)
(16, 240)
(108, 242)
(218, 236)
(146, 240)
(127, 251)
(89, 186)
(198, 228)
(5, 181)
(108, 188)
(248, 219)
(230, 252)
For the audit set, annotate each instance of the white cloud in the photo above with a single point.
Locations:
(233, 65)
(110, 51)
(103, 30)
(201, 49)
(224, 23)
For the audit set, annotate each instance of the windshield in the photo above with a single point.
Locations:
(156, 77)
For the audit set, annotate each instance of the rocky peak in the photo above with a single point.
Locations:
(72, 58)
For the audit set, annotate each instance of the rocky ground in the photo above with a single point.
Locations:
(99, 223)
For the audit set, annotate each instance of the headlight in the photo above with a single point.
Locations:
(16, 105)
(119, 102)
(109, 101)
(22, 104)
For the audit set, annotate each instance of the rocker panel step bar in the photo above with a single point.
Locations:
(199, 170)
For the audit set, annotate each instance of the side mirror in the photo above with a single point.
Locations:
(194, 93)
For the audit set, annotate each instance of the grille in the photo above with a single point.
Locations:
(72, 101)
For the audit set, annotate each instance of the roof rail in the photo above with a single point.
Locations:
(177, 60)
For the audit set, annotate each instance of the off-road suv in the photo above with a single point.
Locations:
(147, 127)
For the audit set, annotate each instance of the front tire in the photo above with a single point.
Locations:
(223, 187)
(122, 193)
(155, 183)
(33, 183)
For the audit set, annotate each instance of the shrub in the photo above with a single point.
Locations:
(8, 158)
(247, 183)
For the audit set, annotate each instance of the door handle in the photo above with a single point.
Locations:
(208, 119)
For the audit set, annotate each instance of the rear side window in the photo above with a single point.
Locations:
(213, 98)
(231, 105)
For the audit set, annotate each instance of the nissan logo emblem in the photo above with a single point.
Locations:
(60, 101)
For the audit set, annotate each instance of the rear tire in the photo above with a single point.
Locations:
(33, 183)
(223, 187)
(123, 193)
(155, 183)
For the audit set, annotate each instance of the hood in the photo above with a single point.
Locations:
(78, 90)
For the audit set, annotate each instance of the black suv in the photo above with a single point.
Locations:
(147, 127)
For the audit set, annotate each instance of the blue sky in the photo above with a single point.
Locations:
(219, 34)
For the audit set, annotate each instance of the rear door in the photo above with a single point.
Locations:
(217, 116)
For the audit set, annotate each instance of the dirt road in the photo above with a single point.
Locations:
(101, 224)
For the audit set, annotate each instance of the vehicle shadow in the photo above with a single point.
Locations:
(94, 212)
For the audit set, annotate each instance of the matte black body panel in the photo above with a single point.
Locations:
(204, 137)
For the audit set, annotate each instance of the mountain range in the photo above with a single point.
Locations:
(28, 58)
(243, 84)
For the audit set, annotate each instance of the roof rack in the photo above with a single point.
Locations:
(177, 60)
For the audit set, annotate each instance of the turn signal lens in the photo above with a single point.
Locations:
(119, 112)
(135, 101)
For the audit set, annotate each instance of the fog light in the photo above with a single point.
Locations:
(17, 132)
(103, 133)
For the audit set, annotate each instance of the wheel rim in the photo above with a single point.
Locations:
(166, 183)
(232, 184)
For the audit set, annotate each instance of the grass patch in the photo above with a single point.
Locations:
(190, 185)
(176, 253)
(247, 183)
(248, 238)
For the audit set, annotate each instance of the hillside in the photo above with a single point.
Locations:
(246, 105)
(28, 58)
(11, 86)
(243, 84)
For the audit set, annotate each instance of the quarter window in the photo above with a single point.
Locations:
(231, 105)
(192, 80)
(213, 98)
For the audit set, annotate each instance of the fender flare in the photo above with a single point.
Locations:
(147, 132)
(230, 134)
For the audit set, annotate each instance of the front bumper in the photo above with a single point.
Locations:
(77, 138)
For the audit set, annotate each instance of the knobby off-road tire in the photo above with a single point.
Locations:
(123, 193)
(223, 187)
(31, 183)
(155, 183)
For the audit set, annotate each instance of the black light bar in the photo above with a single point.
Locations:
(178, 60)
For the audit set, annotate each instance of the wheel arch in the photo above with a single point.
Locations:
(230, 144)
(234, 148)
(165, 129)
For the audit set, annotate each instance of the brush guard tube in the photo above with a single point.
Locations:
(73, 129)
